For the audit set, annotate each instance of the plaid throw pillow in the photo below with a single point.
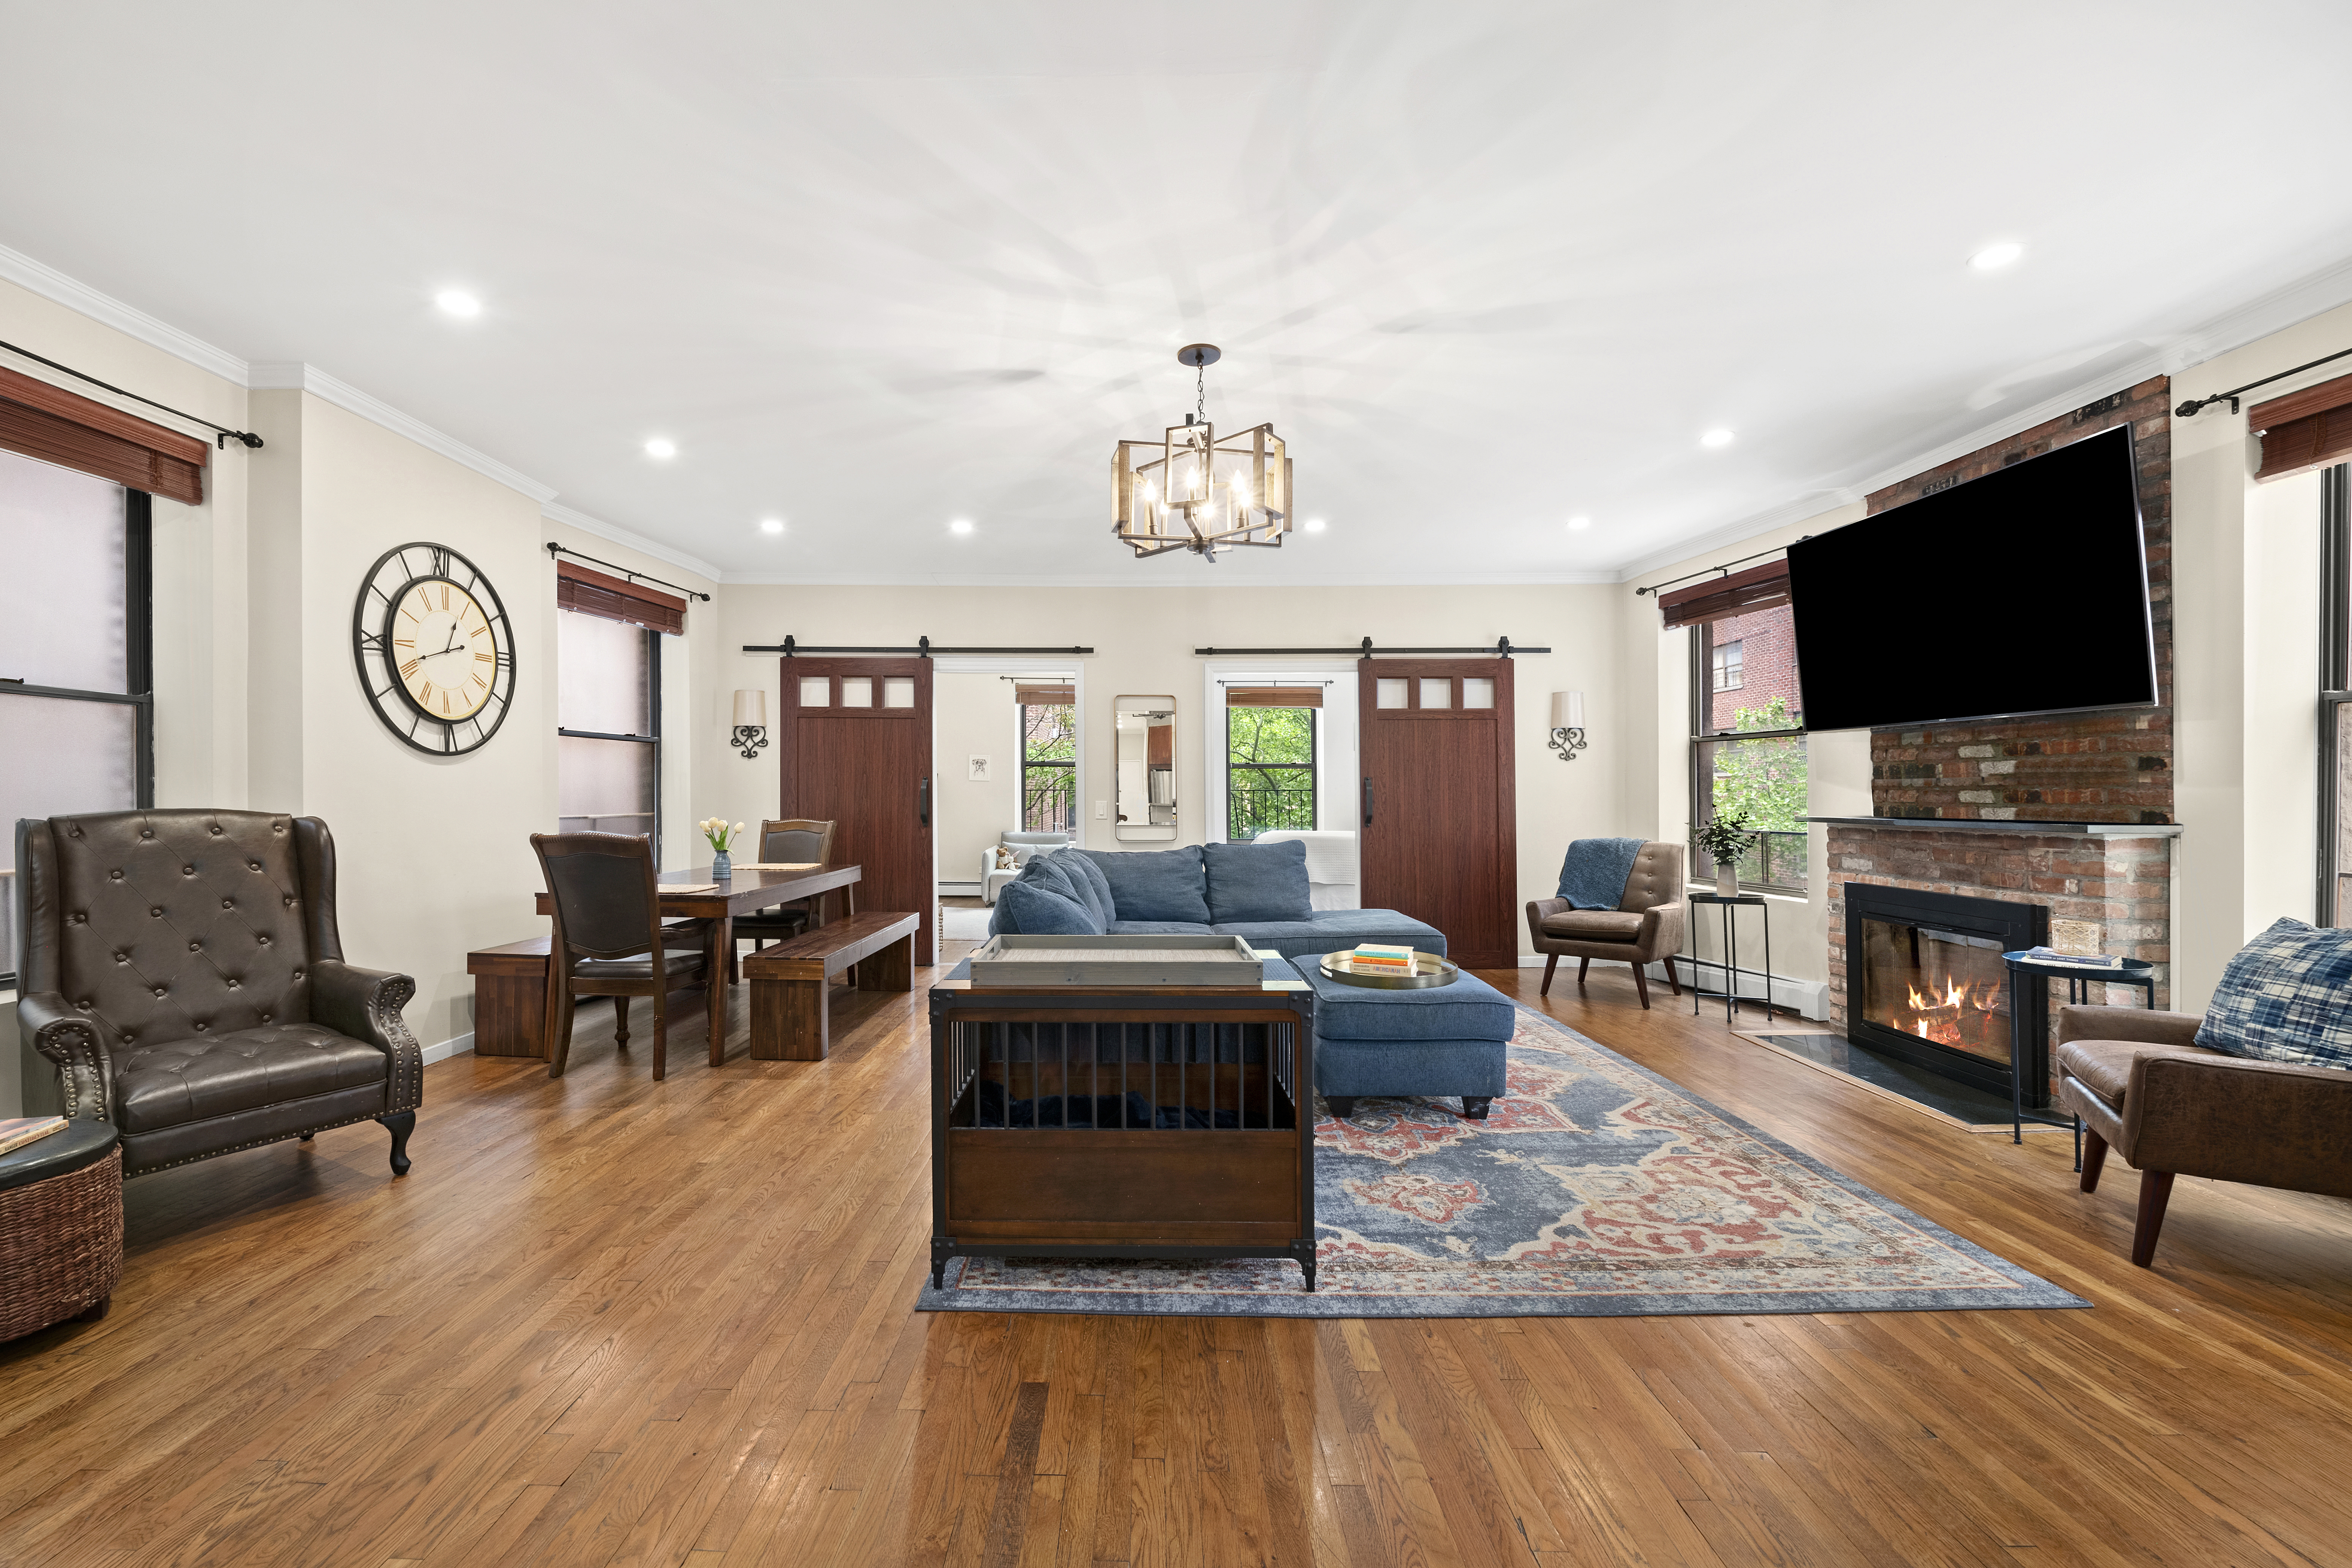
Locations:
(2286, 997)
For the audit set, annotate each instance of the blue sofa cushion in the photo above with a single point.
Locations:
(1423, 1068)
(1157, 927)
(1332, 930)
(1469, 1009)
(1082, 880)
(1257, 881)
(1154, 885)
(1033, 909)
(2285, 997)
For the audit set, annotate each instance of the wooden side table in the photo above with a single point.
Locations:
(60, 1228)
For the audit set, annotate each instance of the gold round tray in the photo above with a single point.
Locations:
(1428, 970)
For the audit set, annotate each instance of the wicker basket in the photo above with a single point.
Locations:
(60, 1245)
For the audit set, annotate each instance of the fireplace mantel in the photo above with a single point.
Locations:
(1982, 825)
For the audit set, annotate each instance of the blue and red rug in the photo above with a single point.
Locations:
(1594, 1188)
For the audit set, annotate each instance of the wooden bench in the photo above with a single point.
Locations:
(511, 998)
(792, 982)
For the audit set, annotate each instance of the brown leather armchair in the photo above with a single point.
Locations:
(2171, 1107)
(184, 972)
(1645, 928)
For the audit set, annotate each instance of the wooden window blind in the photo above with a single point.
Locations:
(73, 432)
(1757, 588)
(1274, 697)
(2303, 430)
(617, 599)
(1036, 694)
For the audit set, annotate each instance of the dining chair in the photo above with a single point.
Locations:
(610, 939)
(795, 841)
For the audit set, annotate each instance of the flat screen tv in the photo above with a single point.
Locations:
(2023, 592)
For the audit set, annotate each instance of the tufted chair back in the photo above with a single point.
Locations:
(169, 925)
(1656, 877)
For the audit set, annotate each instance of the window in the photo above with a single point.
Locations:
(608, 724)
(77, 708)
(2334, 895)
(1747, 744)
(1725, 658)
(1049, 760)
(1270, 757)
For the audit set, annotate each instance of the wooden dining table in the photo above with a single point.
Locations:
(697, 895)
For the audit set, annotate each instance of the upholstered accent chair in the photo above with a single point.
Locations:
(1645, 928)
(184, 972)
(994, 879)
(794, 841)
(2171, 1107)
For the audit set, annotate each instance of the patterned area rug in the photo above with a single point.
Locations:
(1593, 1188)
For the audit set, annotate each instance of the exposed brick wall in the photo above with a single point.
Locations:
(2110, 895)
(2111, 766)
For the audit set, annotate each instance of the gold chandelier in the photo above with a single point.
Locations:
(1190, 490)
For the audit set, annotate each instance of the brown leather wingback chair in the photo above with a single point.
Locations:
(184, 972)
(1647, 926)
(2171, 1107)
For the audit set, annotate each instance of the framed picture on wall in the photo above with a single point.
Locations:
(976, 769)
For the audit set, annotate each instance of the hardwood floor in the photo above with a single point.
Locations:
(611, 1321)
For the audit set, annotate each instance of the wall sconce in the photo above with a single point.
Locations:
(750, 724)
(1567, 724)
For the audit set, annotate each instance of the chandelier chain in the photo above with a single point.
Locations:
(1201, 393)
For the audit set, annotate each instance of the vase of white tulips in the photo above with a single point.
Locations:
(722, 839)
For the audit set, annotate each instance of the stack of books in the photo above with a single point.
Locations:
(1383, 958)
(16, 1132)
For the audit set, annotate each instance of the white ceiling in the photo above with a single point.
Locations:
(1486, 267)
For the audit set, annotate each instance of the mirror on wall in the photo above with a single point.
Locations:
(1144, 787)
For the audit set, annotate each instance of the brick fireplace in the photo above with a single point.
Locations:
(2071, 812)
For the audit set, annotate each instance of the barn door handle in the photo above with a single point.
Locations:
(1367, 800)
(923, 800)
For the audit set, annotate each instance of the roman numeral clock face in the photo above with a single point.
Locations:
(434, 649)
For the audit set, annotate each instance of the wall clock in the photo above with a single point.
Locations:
(434, 649)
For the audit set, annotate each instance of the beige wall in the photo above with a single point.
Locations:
(2246, 646)
(1143, 640)
(972, 715)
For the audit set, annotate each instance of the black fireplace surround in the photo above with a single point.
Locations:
(1925, 983)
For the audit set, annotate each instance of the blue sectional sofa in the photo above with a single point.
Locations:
(1256, 891)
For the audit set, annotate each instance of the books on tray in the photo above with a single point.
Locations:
(2090, 960)
(1382, 955)
(16, 1132)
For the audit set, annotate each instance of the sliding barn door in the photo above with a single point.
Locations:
(1440, 835)
(854, 747)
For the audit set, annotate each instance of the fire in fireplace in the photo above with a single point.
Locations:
(1924, 982)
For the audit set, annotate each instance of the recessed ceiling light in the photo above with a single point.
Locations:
(661, 447)
(457, 302)
(1314, 525)
(1580, 522)
(771, 525)
(1716, 438)
(959, 526)
(1993, 255)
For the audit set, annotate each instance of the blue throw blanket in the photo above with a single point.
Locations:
(1593, 875)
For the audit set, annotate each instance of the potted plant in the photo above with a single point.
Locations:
(722, 838)
(1725, 839)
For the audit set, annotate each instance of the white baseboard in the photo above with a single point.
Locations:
(959, 890)
(1808, 998)
(462, 1046)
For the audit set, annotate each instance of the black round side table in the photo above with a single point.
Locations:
(1731, 970)
(2079, 979)
(60, 1227)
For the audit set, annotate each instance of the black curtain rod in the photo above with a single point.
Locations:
(226, 437)
(555, 549)
(1502, 647)
(1725, 568)
(923, 648)
(2189, 409)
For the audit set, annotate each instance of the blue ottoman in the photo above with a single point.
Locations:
(1439, 1040)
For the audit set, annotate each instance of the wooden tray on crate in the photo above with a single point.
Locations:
(1022, 962)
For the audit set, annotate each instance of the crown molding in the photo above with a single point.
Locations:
(309, 378)
(50, 284)
(1110, 580)
(614, 532)
(2311, 295)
